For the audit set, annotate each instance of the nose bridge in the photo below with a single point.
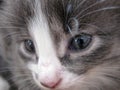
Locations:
(46, 51)
(50, 70)
(48, 62)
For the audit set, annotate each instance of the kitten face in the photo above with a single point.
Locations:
(63, 44)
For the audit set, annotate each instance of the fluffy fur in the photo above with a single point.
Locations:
(51, 24)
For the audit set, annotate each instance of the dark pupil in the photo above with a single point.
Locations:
(29, 46)
(79, 42)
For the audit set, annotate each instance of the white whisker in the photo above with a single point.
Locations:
(11, 28)
(102, 9)
(88, 24)
(23, 86)
(76, 23)
(94, 4)
(17, 76)
(11, 34)
(80, 4)
(76, 80)
(69, 7)
(75, 26)
(69, 29)
(5, 14)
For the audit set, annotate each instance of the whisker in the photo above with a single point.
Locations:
(75, 81)
(10, 69)
(69, 7)
(80, 4)
(23, 86)
(11, 27)
(14, 78)
(69, 29)
(5, 13)
(95, 11)
(13, 68)
(23, 80)
(76, 23)
(7, 68)
(6, 23)
(17, 77)
(13, 34)
(94, 4)
(32, 85)
(96, 27)
(75, 26)
(88, 24)
(10, 22)
(21, 35)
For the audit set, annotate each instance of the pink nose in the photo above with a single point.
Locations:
(51, 84)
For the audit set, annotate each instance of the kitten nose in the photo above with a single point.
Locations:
(51, 83)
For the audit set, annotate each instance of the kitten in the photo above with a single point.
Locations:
(60, 44)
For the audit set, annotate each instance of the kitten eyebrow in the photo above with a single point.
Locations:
(72, 25)
(68, 10)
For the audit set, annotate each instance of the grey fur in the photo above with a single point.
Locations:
(100, 18)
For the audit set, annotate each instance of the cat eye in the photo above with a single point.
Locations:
(80, 42)
(29, 46)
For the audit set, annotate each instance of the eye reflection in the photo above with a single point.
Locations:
(79, 42)
(29, 46)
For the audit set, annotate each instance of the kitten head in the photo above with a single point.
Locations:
(63, 44)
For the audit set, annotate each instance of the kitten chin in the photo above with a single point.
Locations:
(60, 44)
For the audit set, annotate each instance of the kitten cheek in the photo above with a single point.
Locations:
(69, 80)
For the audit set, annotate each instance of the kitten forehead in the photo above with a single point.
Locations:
(39, 30)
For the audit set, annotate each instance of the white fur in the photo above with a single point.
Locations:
(48, 64)
(48, 68)
(4, 84)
